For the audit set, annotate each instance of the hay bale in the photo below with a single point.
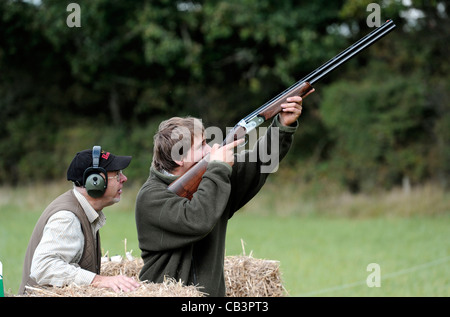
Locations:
(113, 266)
(169, 288)
(246, 276)
(128, 267)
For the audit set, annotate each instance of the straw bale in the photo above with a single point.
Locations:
(246, 276)
(117, 265)
(130, 268)
(169, 288)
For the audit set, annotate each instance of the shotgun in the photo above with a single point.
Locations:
(186, 185)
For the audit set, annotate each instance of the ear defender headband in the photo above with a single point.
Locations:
(93, 181)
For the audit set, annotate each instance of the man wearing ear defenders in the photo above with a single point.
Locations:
(64, 247)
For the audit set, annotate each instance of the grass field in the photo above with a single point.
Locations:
(324, 246)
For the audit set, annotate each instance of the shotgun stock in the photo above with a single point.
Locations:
(186, 185)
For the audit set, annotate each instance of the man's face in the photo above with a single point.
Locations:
(114, 190)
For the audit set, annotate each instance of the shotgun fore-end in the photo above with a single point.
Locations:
(275, 107)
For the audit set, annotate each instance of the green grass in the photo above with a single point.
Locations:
(322, 253)
(329, 257)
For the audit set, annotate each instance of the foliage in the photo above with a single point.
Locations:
(377, 130)
(382, 117)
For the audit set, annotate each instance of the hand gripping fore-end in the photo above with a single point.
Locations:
(274, 107)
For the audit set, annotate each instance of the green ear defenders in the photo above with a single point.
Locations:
(93, 181)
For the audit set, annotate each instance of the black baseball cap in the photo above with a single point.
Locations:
(83, 160)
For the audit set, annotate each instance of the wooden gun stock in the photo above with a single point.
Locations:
(187, 184)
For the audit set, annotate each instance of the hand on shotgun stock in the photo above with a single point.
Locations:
(224, 153)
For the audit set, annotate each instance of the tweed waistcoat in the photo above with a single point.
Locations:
(90, 259)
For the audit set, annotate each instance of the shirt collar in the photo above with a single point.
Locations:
(90, 212)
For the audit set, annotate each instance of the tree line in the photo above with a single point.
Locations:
(381, 118)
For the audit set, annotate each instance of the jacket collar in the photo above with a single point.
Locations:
(166, 177)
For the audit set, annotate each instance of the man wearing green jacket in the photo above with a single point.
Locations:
(185, 239)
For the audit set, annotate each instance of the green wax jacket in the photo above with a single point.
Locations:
(185, 239)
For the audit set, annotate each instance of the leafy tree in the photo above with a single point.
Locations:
(381, 117)
(387, 121)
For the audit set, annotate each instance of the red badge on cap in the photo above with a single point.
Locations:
(105, 156)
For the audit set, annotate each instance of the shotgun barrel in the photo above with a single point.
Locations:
(332, 64)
